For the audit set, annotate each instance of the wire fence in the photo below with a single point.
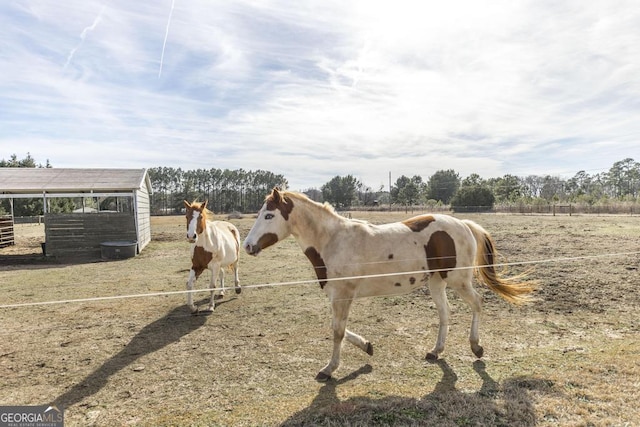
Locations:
(314, 281)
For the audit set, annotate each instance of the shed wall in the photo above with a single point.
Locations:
(7, 237)
(143, 218)
(80, 235)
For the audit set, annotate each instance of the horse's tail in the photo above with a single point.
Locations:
(514, 289)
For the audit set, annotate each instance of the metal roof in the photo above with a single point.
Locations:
(66, 180)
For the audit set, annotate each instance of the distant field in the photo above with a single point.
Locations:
(570, 359)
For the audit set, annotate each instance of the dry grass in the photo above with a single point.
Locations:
(572, 358)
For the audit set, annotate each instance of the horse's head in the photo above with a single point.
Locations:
(272, 223)
(196, 219)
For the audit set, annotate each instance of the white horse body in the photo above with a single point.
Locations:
(220, 238)
(355, 259)
(214, 246)
(386, 250)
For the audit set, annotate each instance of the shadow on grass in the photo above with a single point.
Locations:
(509, 404)
(166, 330)
(33, 261)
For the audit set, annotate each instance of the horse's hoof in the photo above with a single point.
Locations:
(369, 349)
(479, 351)
(238, 289)
(431, 357)
(322, 377)
(194, 310)
(220, 296)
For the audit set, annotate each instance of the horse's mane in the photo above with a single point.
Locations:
(198, 205)
(294, 195)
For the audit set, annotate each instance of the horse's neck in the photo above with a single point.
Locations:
(313, 225)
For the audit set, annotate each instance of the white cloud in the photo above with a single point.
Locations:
(319, 88)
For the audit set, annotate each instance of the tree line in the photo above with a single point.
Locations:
(225, 190)
(244, 191)
(621, 183)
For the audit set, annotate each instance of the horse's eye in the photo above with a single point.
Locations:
(269, 216)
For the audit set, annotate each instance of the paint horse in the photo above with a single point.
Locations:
(214, 245)
(356, 259)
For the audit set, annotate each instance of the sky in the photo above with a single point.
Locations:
(316, 89)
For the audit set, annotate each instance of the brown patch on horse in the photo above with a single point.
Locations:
(488, 248)
(318, 265)
(267, 240)
(200, 260)
(441, 252)
(188, 211)
(419, 223)
(276, 200)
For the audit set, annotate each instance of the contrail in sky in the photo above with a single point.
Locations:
(83, 35)
(166, 34)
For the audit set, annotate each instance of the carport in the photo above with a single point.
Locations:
(82, 232)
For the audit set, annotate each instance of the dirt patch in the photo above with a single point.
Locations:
(569, 359)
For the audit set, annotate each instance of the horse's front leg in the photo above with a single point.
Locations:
(340, 308)
(215, 269)
(359, 342)
(236, 279)
(220, 291)
(190, 284)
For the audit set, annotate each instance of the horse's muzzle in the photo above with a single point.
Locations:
(252, 249)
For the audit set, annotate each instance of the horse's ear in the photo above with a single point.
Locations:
(277, 197)
(187, 204)
(204, 205)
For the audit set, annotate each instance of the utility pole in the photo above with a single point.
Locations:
(389, 191)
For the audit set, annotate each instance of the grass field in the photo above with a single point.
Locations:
(570, 359)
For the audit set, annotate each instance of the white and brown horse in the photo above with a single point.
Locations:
(214, 246)
(355, 259)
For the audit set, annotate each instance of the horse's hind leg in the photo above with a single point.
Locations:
(471, 297)
(437, 288)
